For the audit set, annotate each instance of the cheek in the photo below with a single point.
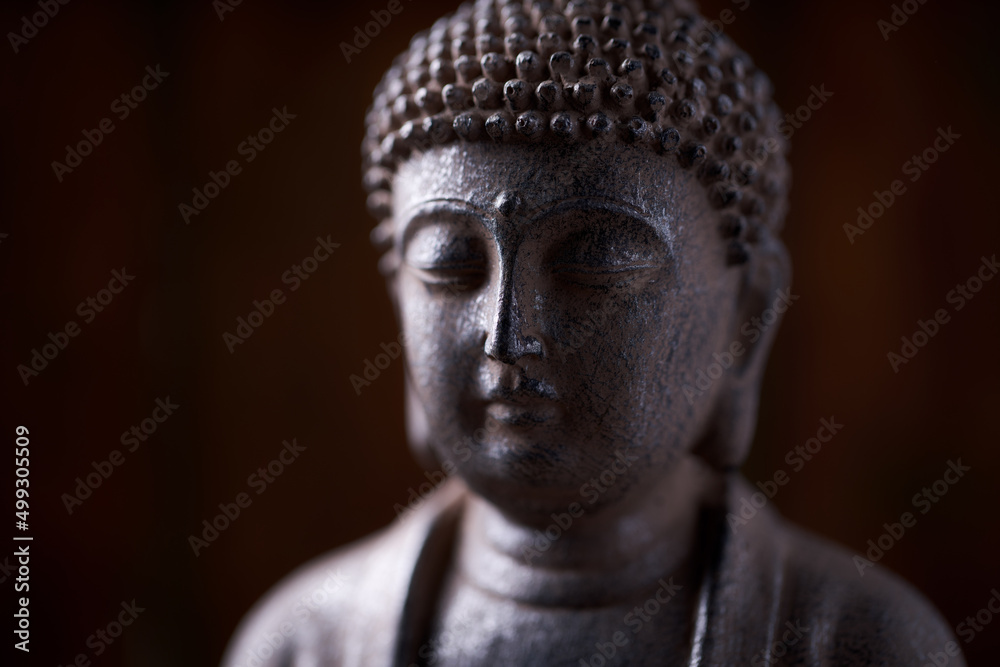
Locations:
(441, 339)
(616, 356)
(631, 373)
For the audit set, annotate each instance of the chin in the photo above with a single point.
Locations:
(528, 475)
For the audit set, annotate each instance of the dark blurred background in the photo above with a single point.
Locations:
(162, 335)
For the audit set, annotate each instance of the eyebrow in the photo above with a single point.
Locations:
(610, 205)
(421, 211)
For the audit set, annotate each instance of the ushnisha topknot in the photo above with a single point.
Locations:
(647, 72)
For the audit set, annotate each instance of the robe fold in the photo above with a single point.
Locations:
(773, 594)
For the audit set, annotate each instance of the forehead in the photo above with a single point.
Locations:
(492, 177)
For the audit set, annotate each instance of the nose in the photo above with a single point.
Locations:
(512, 329)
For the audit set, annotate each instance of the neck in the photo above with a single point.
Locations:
(589, 554)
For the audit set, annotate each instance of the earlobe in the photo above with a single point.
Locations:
(764, 298)
(730, 428)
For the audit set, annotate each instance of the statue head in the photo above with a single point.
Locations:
(579, 207)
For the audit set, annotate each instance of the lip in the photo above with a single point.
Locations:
(523, 413)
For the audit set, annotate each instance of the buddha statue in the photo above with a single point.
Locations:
(579, 208)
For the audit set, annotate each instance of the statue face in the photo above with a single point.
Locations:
(555, 301)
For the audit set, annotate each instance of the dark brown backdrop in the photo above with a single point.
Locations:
(162, 336)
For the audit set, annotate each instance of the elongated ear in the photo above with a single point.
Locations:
(765, 294)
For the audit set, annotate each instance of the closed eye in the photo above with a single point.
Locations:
(619, 275)
(437, 274)
(601, 270)
(446, 254)
(603, 257)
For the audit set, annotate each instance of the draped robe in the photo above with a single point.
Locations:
(370, 603)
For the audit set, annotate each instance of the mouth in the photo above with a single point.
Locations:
(513, 399)
(526, 414)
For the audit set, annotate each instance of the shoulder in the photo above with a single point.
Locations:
(854, 612)
(819, 603)
(341, 607)
(306, 605)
